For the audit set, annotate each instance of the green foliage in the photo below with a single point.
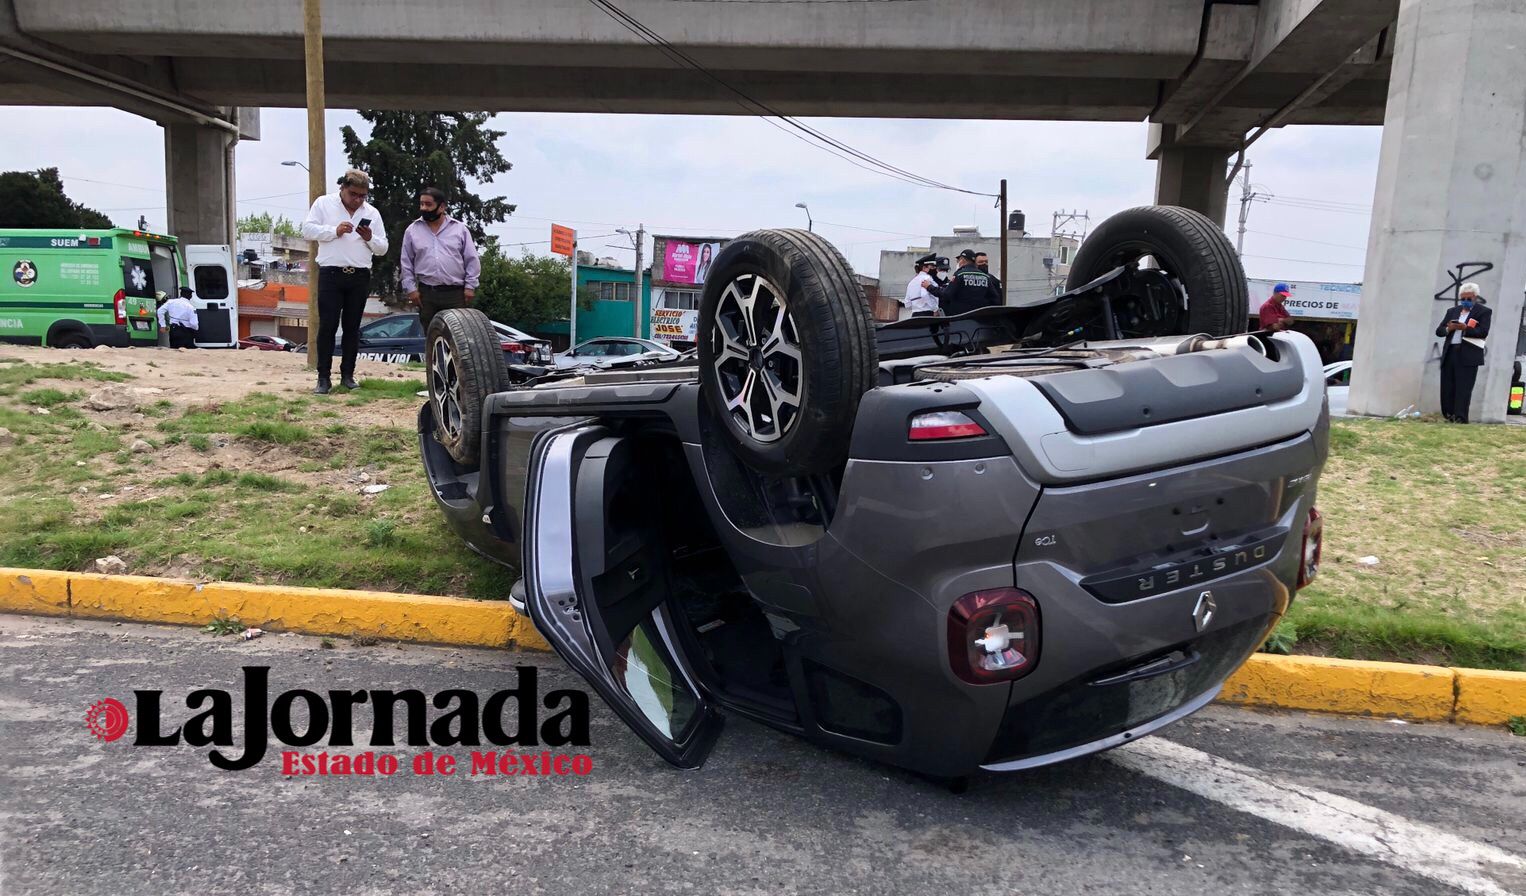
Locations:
(1282, 639)
(523, 292)
(37, 199)
(276, 431)
(408, 151)
(47, 398)
(380, 532)
(224, 625)
(265, 223)
(1517, 725)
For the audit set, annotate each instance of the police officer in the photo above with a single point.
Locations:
(983, 262)
(970, 287)
(922, 290)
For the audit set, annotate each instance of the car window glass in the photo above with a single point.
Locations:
(390, 328)
(646, 672)
(415, 329)
(625, 348)
(211, 282)
(593, 350)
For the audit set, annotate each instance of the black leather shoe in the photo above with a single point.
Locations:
(349, 383)
(323, 386)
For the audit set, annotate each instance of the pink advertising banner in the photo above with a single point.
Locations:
(688, 262)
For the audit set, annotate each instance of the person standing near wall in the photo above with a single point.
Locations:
(440, 264)
(349, 233)
(1464, 329)
(1274, 316)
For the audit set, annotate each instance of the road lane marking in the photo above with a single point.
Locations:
(1418, 848)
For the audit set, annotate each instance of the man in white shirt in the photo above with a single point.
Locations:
(178, 316)
(920, 300)
(349, 233)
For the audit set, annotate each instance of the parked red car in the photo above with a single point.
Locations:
(267, 343)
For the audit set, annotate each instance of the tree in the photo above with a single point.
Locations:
(36, 199)
(264, 223)
(408, 151)
(527, 291)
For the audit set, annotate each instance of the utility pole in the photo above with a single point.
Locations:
(312, 45)
(637, 302)
(1247, 196)
(572, 316)
(1003, 225)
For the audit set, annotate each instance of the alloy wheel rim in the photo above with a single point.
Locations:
(445, 389)
(757, 358)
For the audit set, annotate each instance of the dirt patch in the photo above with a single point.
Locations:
(189, 377)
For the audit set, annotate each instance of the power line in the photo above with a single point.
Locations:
(1339, 264)
(1301, 239)
(766, 113)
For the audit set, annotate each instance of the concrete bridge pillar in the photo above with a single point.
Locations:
(1190, 176)
(1451, 188)
(198, 169)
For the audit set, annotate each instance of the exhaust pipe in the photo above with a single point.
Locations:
(1245, 340)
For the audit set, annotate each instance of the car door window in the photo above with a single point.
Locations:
(415, 329)
(389, 328)
(624, 349)
(592, 350)
(1342, 378)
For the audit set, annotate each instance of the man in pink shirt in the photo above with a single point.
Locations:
(440, 264)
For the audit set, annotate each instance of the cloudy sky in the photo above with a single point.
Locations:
(723, 175)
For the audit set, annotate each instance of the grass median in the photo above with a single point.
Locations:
(266, 489)
(272, 488)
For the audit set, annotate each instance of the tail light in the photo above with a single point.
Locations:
(514, 347)
(939, 425)
(993, 636)
(119, 302)
(1313, 544)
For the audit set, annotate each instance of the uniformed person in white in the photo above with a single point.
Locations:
(349, 233)
(177, 317)
(921, 300)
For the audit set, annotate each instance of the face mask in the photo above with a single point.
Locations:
(431, 217)
(1466, 303)
(984, 268)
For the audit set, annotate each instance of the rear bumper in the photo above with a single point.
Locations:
(114, 335)
(1090, 714)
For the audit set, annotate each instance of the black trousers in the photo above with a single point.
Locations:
(342, 294)
(182, 336)
(434, 299)
(1456, 387)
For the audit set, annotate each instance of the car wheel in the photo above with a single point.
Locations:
(786, 350)
(1191, 249)
(72, 339)
(464, 364)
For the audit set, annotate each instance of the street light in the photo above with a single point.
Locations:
(290, 163)
(809, 224)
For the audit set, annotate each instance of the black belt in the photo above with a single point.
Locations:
(346, 269)
(432, 286)
(174, 326)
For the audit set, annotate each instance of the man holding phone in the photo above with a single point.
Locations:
(349, 234)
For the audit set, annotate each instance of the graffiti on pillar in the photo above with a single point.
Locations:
(1465, 271)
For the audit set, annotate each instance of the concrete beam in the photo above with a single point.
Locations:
(1229, 35)
(1451, 188)
(1298, 44)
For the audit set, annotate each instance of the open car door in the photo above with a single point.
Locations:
(597, 587)
(210, 269)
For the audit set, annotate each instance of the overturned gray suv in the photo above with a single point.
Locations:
(997, 540)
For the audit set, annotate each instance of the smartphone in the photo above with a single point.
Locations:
(365, 222)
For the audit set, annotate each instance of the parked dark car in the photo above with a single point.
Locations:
(266, 343)
(398, 338)
(898, 541)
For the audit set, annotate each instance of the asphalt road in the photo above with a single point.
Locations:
(1226, 802)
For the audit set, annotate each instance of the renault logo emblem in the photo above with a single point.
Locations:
(1202, 614)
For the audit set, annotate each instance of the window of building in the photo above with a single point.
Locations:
(681, 299)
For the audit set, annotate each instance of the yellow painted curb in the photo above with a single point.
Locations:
(34, 592)
(1317, 684)
(314, 611)
(1486, 697)
(1351, 687)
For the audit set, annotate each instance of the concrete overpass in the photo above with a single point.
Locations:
(1206, 75)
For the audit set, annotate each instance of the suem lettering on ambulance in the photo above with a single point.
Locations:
(84, 288)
